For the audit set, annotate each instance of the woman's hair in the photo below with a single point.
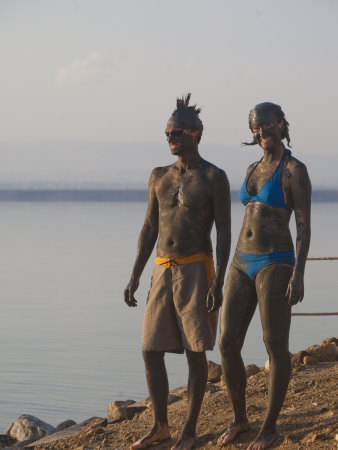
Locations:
(277, 111)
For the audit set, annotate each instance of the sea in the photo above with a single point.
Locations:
(69, 345)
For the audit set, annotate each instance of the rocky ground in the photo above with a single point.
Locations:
(308, 419)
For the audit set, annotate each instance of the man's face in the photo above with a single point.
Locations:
(180, 140)
(266, 130)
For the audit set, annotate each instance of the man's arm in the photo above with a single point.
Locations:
(222, 216)
(146, 242)
(301, 198)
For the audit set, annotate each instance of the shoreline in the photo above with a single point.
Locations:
(307, 418)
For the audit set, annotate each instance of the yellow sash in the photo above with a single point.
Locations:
(208, 260)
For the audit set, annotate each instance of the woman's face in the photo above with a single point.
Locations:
(266, 129)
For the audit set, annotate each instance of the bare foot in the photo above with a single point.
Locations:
(159, 433)
(230, 433)
(184, 443)
(263, 440)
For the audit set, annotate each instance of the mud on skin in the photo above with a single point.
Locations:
(277, 286)
(185, 200)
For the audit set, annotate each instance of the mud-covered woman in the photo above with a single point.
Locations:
(266, 269)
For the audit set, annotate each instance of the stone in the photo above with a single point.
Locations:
(310, 361)
(323, 353)
(267, 365)
(251, 369)
(172, 398)
(65, 424)
(118, 410)
(29, 428)
(314, 437)
(214, 372)
(135, 408)
(96, 423)
(298, 358)
(6, 440)
(253, 409)
(329, 340)
(182, 392)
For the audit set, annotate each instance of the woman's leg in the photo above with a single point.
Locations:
(275, 312)
(238, 307)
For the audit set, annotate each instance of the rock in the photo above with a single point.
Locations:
(172, 398)
(135, 408)
(314, 437)
(118, 410)
(96, 423)
(29, 428)
(251, 369)
(214, 372)
(6, 440)
(90, 420)
(181, 392)
(65, 424)
(298, 358)
(253, 408)
(267, 365)
(336, 437)
(323, 353)
(310, 360)
(330, 340)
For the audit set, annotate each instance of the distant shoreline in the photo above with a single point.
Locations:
(115, 195)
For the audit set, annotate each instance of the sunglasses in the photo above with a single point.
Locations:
(174, 133)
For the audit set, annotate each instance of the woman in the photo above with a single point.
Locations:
(265, 268)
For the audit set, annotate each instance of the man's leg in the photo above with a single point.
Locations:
(238, 307)
(198, 375)
(275, 314)
(157, 381)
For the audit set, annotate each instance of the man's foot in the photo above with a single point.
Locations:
(159, 433)
(184, 443)
(263, 440)
(230, 433)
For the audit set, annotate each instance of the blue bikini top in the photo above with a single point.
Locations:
(271, 193)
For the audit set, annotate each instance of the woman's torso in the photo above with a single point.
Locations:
(265, 227)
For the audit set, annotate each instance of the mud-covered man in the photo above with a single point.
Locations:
(185, 199)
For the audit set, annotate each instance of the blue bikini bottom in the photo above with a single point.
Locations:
(251, 263)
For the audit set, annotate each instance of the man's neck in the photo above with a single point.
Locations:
(189, 161)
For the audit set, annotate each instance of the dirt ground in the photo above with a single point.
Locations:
(308, 419)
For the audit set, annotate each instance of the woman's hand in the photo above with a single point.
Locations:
(295, 290)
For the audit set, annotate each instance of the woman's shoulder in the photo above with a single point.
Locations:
(294, 163)
(295, 170)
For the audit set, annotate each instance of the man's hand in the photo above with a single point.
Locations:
(129, 293)
(295, 290)
(214, 297)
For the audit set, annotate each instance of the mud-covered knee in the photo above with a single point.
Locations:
(228, 345)
(152, 359)
(276, 346)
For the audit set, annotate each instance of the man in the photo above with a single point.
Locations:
(185, 199)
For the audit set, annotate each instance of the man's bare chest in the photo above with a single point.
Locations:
(190, 191)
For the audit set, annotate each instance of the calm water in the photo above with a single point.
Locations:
(69, 345)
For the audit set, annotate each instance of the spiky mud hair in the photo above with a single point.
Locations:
(183, 103)
(187, 116)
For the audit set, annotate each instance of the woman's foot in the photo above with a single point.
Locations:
(230, 433)
(263, 440)
(184, 443)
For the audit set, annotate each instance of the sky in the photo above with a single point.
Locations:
(87, 86)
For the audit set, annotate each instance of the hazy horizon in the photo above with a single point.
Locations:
(87, 87)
